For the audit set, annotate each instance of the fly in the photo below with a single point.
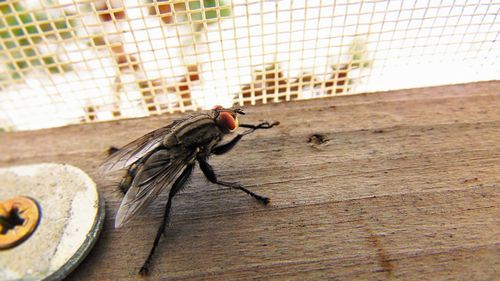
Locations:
(163, 160)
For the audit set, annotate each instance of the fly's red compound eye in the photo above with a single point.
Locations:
(228, 121)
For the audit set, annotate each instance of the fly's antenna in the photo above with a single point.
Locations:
(239, 110)
(218, 109)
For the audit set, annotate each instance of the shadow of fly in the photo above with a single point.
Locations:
(163, 160)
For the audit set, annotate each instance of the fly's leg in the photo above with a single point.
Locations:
(221, 149)
(181, 180)
(228, 146)
(263, 125)
(208, 171)
(126, 181)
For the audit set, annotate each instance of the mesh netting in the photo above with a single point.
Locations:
(69, 61)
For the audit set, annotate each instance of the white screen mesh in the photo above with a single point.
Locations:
(68, 61)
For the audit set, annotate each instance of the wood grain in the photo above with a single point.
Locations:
(393, 185)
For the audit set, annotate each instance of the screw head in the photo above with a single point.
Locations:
(29, 213)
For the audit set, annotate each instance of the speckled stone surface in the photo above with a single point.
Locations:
(71, 218)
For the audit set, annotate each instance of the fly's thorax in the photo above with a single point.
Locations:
(200, 130)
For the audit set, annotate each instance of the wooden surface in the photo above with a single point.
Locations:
(401, 185)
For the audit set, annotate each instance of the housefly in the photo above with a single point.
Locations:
(162, 161)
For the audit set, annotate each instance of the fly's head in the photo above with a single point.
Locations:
(226, 118)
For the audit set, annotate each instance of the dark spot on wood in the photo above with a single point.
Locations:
(470, 180)
(112, 149)
(318, 139)
(382, 255)
(378, 131)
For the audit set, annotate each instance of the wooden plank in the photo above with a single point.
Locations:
(404, 185)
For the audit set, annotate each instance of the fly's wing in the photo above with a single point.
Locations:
(132, 152)
(156, 174)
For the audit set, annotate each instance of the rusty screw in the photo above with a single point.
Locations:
(19, 217)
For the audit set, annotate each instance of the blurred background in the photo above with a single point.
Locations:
(70, 61)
